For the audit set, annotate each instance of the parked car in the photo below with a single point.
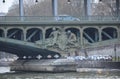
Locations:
(66, 18)
(71, 58)
(99, 57)
(76, 57)
(80, 58)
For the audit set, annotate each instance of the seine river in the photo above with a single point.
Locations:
(6, 74)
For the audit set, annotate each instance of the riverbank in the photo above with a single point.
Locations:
(96, 70)
(61, 65)
(66, 75)
(5, 63)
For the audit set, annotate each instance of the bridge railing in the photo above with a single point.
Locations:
(25, 19)
(58, 18)
(100, 18)
(104, 43)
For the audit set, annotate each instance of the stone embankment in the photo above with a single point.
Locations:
(62, 65)
(52, 65)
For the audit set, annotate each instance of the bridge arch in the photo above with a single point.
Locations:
(109, 27)
(109, 33)
(16, 27)
(49, 30)
(96, 27)
(1, 33)
(76, 31)
(37, 27)
(76, 27)
(34, 34)
(49, 27)
(91, 34)
(15, 33)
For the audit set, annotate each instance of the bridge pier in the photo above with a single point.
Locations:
(24, 35)
(5, 33)
(81, 37)
(100, 36)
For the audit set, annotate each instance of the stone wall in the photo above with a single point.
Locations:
(98, 64)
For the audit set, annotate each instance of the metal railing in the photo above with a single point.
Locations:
(59, 19)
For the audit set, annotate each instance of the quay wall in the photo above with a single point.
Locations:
(98, 64)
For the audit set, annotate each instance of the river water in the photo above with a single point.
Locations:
(5, 73)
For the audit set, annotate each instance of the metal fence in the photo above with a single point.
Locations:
(58, 18)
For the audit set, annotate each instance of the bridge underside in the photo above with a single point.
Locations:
(27, 51)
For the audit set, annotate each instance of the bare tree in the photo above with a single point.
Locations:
(74, 8)
(44, 8)
(105, 7)
(13, 11)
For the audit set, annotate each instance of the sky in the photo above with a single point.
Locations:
(4, 7)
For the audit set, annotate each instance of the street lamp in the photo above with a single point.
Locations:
(3, 1)
(68, 1)
(36, 0)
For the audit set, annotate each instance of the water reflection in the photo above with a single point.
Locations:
(70, 75)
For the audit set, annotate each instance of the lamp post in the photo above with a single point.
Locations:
(3, 1)
(68, 1)
(69, 7)
(36, 0)
(21, 8)
(55, 7)
(87, 6)
(117, 7)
